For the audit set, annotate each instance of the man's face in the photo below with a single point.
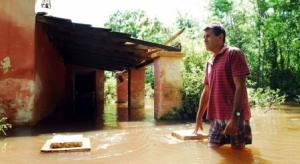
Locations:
(212, 42)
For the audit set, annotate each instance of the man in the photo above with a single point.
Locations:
(224, 95)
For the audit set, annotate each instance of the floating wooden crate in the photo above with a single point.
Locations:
(85, 144)
(187, 134)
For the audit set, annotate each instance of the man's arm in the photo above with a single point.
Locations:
(240, 92)
(202, 107)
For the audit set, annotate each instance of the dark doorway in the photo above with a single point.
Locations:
(85, 94)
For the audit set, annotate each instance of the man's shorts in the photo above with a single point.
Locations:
(217, 136)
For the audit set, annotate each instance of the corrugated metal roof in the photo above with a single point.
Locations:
(95, 47)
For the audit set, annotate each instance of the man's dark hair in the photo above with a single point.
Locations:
(217, 29)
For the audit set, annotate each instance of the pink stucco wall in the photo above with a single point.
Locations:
(168, 82)
(137, 95)
(17, 52)
(49, 76)
(122, 96)
(137, 87)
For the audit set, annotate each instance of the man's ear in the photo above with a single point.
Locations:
(221, 36)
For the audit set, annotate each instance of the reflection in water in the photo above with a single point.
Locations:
(276, 136)
(3, 147)
(248, 155)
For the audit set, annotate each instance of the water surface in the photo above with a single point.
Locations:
(276, 139)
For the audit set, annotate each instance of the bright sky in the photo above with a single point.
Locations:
(96, 12)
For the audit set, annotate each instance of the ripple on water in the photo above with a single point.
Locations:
(275, 140)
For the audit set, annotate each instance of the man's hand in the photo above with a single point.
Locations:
(232, 127)
(198, 126)
(202, 108)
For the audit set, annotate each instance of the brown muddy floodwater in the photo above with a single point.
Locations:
(276, 139)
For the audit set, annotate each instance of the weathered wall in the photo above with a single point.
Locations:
(17, 23)
(49, 76)
(168, 82)
(137, 95)
(137, 87)
(122, 96)
(33, 79)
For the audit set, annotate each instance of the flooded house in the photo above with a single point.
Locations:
(50, 63)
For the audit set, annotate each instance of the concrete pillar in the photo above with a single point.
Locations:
(122, 96)
(168, 82)
(99, 91)
(137, 93)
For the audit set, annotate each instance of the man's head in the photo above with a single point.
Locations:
(214, 36)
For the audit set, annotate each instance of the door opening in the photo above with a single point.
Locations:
(85, 93)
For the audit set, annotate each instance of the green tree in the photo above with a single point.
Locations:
(195, 57)
(268, 33)
(139, 25)
(278, 25)
(238, 19)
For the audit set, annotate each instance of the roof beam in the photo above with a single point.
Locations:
(99, 58)
(100, 52)
(93, 62)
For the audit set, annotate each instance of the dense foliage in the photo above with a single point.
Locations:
(110, 87)
(266, 31)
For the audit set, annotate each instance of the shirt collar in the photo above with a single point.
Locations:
(211, 60)
(221, 51)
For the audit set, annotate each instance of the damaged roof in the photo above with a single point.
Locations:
(100, 48)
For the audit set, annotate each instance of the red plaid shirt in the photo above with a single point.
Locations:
(219, 74)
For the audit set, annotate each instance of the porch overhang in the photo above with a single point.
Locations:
(100, 48)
